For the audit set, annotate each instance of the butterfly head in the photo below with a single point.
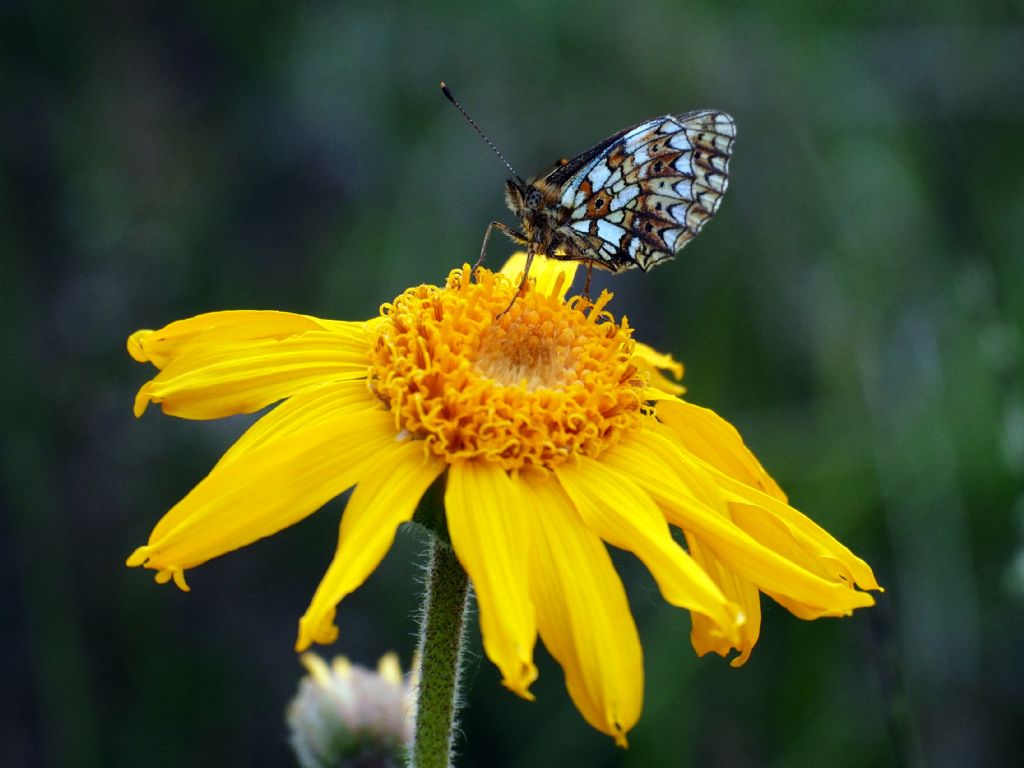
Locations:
(523, 197)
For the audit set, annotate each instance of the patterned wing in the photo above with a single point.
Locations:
(638, 197)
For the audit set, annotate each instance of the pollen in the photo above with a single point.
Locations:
(535, 385)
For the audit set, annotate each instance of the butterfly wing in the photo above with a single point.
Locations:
(639, 196)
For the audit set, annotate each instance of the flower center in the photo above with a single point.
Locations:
(546, 380)
(520, 354)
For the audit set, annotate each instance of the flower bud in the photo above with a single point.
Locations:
(348, 716)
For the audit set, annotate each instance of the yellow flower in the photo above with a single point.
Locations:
(557, 434)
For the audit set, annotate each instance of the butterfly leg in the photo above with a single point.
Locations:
(586, 285)
(507, 230)
(521, 290)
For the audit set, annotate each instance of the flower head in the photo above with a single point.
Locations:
(347, 715)
(555, 432)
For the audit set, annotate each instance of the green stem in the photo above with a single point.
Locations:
(440, 652)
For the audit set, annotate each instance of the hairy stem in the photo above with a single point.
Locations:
(440, 653)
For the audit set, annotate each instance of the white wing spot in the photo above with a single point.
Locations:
(581, 226)
(680, 141)
(599, 175)
(640, 130)
(684, 189)
(623, 197)
(724, 124)
(609, 232)
(684, 163)
(710, 201)
(715, 182)
(670, 236)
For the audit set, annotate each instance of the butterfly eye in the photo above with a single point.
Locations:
(533, 199)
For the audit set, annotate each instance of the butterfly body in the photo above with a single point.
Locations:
(633, 200)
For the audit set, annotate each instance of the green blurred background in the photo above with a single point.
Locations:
(855, 309)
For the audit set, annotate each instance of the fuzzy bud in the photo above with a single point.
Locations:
(348, 716)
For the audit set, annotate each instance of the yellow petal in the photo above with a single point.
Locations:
(765, 514)
(656, 394)
(492, 541)
(385, 498)
(222, 379)
(184, 337)
(767, 528)
(704, 634)
(272, 487)
(653, 362)
(320, 402)
(766, 511)
(623, 514)
(706, 434)
(582, 612)
(677, 481)
(546, 272)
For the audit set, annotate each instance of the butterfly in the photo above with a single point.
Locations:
(632, 200)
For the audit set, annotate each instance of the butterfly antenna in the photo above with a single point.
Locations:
(448, 95)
